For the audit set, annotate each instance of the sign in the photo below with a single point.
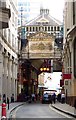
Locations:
(66, 76)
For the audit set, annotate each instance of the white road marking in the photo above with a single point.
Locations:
(14, 112)
(60, 112)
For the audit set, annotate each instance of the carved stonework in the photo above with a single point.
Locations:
(40, 45)
(40, 36)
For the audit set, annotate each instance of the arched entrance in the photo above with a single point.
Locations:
(42, 55)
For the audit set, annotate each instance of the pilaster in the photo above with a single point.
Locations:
(13, 77)
(5, 73)
(9, 77)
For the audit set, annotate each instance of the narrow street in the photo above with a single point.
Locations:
(38, 110)
(38, 59)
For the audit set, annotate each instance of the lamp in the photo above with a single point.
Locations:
(44, 69)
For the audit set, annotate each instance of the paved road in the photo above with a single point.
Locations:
(34, 110)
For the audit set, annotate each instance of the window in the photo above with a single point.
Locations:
(15, 21)
(51, 28)
(58, 28)
(5, 35)
(73, 13)
(36, 29)
(54, 28)
(39, 28)
(33, 29)
(13, 40)
(12, 16)
(27, 29)
(9, 35)
(45, 28)
(30, 29)
(48, 28)
(18, 22)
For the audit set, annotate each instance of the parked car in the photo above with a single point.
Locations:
(45, 98)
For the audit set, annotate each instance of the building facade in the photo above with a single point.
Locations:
(42, 45)
(69, 53)
(4, 18)
(9, 52)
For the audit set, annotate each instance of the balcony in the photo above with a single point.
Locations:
(5, 14)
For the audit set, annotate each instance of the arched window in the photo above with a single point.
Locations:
(75, 57)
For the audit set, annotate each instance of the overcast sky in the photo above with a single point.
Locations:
(56, 7)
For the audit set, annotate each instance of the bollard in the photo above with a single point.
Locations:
(3, 110)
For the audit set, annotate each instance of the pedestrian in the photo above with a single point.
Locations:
(12, 98)
(4, 98)
(54, 98)
(33, 97)
(8, 102)
(50, 99)
(63, 98)
(75, 106)
(59, 97)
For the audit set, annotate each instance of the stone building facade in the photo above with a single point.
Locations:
(69, 53)
(8, 50)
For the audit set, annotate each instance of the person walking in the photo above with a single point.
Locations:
(50, 99)
(54, 97)
(62, 98)
(8, 102)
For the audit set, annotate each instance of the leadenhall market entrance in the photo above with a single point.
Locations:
(40, 55)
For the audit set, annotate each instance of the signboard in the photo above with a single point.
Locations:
(66, 76)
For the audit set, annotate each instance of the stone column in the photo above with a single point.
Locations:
(5, 74)
(9, 77)
(13, 78)
(16, 67)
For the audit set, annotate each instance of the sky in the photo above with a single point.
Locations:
(55, 6)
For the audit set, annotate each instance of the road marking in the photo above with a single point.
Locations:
(14, 112)
(65, 115)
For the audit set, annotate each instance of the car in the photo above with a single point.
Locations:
(45, 98)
